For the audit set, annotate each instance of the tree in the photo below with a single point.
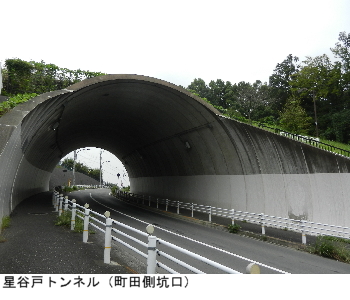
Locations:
(318, 84)
(80, 167)
(342, 51)
(294, 118)
(199, 87)
(21, 77)
(279, 81)
(250, 97)
(220, 93)
(16, 77)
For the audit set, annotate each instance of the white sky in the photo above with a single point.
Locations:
(176, 41)
(111, 165)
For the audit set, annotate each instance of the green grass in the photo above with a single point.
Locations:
(65, 220)
(332, 247)
(5, 223)
(14, 101)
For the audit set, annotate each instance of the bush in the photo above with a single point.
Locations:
(233, 228)
(332, 248)
(65, 219)
(5, 223)
(14, 101)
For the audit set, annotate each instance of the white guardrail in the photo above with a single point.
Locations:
(302, 226)
(109, 226)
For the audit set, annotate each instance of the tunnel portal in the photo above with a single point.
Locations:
(173, 145)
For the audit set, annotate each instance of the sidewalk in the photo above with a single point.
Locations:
(34, 245)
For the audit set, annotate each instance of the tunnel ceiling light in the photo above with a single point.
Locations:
(55, 126)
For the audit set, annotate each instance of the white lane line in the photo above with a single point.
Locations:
(190, 239)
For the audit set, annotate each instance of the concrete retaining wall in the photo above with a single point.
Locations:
(315, 197)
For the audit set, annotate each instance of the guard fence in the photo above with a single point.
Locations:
(144, 243)
(309, 140)
(304, 227)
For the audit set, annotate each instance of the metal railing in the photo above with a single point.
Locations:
(109, 226)
(302, 226)
(309, 140)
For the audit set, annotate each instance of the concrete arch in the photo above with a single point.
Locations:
(173, 145)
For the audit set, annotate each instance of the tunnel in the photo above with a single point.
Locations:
(174, 145)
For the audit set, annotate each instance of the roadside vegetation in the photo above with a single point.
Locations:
(5, 223)
(14, 101)
(308, 96)
(115, 188)
(73, 188)
(65, 220)
(332, 247)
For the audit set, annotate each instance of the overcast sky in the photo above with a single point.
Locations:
(176, 41)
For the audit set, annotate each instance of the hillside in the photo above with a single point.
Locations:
(59, 177)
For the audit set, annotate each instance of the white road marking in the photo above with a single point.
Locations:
(190, 239)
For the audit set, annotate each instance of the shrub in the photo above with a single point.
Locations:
(65, 220)
(5, 223)
(332, 248)
(233, 228)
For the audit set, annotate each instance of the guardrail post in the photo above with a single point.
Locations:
(178, 207)
(53, 197)
(60, 205)
(192, 210)
(209, 213)
(57, 202)
(253, 268)
(108, 239)
(262, 224)
(233, 217)
(152, 251)
(149, 201)
(74, 210)
(86, 223)
(166, 204)
(303, 235)
(55, 205)
(66, 203)
(157, 202)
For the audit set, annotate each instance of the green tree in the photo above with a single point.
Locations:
(220, 93)
(294, 118)
(280, 79)
(20, 77)
(342, 51)
(16, 77)
(318, 84)
(199, 87)
(251, 97)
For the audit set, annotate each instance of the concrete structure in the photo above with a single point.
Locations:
(0, 78)
(173, 145)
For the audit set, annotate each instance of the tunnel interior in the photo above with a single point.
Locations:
(155, 128)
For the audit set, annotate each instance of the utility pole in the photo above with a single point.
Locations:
(101, 163)
(74, 159)
(100, 168)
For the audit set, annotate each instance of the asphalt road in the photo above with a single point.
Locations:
(233, 251)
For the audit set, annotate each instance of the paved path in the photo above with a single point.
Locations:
(34, 245)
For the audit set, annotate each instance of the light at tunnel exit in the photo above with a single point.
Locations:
(111, 165)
